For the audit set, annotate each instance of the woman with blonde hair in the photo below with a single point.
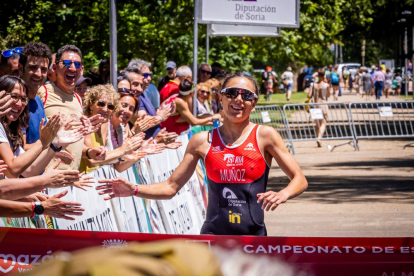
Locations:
(104, 100)
(203, 99)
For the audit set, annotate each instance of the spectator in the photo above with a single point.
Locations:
(35, 60)
(388, 82)
(150, 91)
(33, 161)
(379, 79)
(335, 80)
(103, 100)
(215, 87)
(82, 86)
(51, 75)
(103, 75)
(204, 72)
(320, 95)
(59, 98)
(171, 68)
(172, 88)
(367, 84)
(10, 62)
(180, 121)
(203, 99)
(287, 76)
(216, 69)
(398, 78)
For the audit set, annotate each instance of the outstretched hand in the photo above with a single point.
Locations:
(84, 182)
(57, 208)
(118, 187)
(272, 199)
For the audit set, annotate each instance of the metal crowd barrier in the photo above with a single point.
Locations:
(319, 121)
(272, 115)
(383, 120)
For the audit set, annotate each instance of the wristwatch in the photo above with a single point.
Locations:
(54, 148)
(38, 210)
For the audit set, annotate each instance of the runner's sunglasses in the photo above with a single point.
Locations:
(9, 53)
(233, 92)
(68, 63)
(103, 104)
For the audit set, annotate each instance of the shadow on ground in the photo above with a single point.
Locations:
(363, 185)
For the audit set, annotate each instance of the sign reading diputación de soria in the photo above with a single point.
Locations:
(22, 249)
(281, 13)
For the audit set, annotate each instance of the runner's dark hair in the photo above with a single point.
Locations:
(35, 49)
(241, 75)
(14, 130)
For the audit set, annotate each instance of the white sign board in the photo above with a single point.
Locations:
(265, 117)
(281, 13)
(385, 111)
(242, 30)
(316, 114)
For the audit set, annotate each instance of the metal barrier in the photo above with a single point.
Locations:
(319, 121)
(383, 120)
(272, 115)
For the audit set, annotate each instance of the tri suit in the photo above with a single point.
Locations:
(235, 175)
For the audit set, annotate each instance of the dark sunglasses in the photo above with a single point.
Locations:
(103, 104)
(17, 97)
(170, 69)
(204, 92)
(205, 72)
(68, 63)
(9, 53)
(233, 92)
(214, 90)
(146, 75)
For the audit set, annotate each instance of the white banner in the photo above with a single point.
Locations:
(278, 13)
(242, 30)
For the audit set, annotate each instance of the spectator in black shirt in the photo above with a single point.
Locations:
(171, 68)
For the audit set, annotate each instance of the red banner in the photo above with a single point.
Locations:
(21, 249)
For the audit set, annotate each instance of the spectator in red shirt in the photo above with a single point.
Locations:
(172, 88)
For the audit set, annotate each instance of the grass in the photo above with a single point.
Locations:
(280, 99)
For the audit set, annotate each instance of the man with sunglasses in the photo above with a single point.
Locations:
(237, 156)
(10, 62)
(171, 68)
(59, 98)
(204, 72)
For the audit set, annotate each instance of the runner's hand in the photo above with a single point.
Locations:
(272, 199)
(57, 208)
(118, 187)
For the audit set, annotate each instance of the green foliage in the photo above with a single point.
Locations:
(162, 30)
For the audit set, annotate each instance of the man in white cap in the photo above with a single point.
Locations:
(171, 68)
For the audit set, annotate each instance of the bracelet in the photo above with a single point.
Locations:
(162, 119)
(136, 190)
(33, 207)
(87, 155)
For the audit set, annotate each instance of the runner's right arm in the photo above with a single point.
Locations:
(163, 190)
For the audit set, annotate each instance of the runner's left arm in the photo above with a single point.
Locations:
(274, 147)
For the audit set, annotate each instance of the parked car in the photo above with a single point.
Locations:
(352, 67)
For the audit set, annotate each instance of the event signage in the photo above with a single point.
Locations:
(385, 111)
(242, 30)
(22, 249)
(316, 114)
(281, 13)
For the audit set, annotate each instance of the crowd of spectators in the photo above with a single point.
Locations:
(58, 124)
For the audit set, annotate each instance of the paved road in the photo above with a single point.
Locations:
(369, 193)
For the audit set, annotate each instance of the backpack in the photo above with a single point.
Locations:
(308, 80)
(334, 78)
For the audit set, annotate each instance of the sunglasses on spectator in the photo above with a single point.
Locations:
(170, 69)
(9, 53)
(81, 89)
(214, 90)
(124, 90)
(204, 92)
(17, 97)
(68, 63)
(103, 104)
(146, 75)
(205, 72)
(234, 92)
